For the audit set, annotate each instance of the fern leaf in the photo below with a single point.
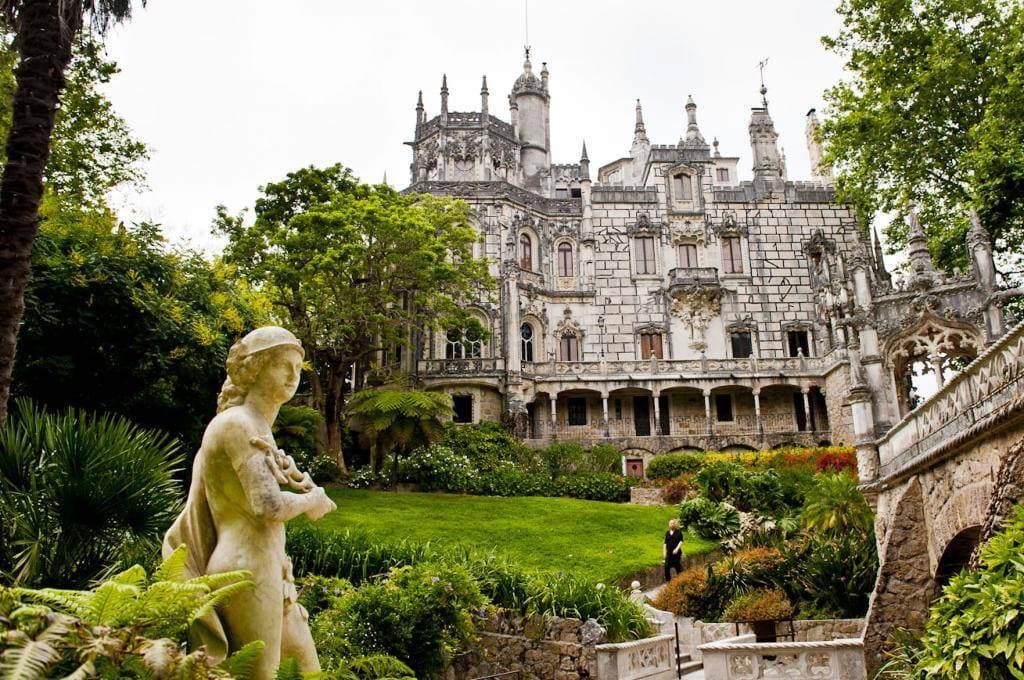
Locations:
(240, 664)
(173, 568)
(28, 659)
(226, 578)
(288, 670)
(74, 602)
(160, 656)
(373, 666)
(218, 597)
(132, 576)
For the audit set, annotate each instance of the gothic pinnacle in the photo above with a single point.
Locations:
(444, 93)
(693, 135)
(584, 164)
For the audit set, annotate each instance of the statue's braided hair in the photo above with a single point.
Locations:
(243, 370)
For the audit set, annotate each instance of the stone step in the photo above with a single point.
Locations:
(689, 665)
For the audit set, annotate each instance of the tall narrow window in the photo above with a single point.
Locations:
(688, 255)
(565, 267)
(453, 344)
(472, 343)
(570, 347)
(525, 252)
(650, 346)
(742, 347)
(645, 255)
(723, 174)
(526, 334)
(732, 255)
(798, 343)
(681, 187)
(723, 408)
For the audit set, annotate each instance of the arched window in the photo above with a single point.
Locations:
(526, 333)
(453, 344)
(463, 343)
(569, 347)
(525, 252)
(565, 267)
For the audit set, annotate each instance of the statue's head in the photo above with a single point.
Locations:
(270, 358)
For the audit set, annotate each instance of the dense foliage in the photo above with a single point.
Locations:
(297, 432)
(359, 558)
(930, 117)
(80, 494)
(354, 270)
(759, 605)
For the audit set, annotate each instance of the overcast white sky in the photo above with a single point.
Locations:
(231, 94)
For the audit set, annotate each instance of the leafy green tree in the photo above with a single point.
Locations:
(117, 321)
(355, 271)
(397, 421)
(931, 118)
(80, 494)
(45, 32)
(835, 507)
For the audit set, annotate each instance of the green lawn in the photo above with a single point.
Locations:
(599, 541)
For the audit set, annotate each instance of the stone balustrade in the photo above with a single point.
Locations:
(651, 658)
(471, 366)
(972, 402)
(679, 368)
(741, 658)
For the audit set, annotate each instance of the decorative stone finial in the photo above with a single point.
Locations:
(584, 164)
(714, 143)
(693, 135)
(444, 93)
(484, 109)
(639, 130)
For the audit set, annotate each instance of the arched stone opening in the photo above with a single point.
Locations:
(926, 355)
(957, 555)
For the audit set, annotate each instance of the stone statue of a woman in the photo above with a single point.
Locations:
(243, 491)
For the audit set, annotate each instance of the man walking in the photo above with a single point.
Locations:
(672, 551)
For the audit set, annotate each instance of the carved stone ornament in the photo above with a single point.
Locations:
(696, 305)
(567, 228)
(463, 147)
(688, 231)
(568, 325)
(934, 337)
(503, 153)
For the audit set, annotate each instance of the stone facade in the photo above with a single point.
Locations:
(670, 304)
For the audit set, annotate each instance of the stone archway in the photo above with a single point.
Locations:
(957, 555)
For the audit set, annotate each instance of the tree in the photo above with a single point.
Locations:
(117, 321)
(397, 421)
(931, 118)
(45, 32)
(355, 271)
(835, 507)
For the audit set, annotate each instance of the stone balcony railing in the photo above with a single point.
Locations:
(676, 426)
(651, 658)
(688, 276)
(462, 367)
(740, 658)
(752, 366)
(973, 401)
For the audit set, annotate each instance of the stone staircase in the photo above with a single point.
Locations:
(690, 669)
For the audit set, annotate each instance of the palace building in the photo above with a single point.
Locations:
(660, 303)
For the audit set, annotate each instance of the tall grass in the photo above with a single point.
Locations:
(358, 557)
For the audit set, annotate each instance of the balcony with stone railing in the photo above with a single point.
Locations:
(688, 425)
(474, 366)
(674, 368)
(689, 276)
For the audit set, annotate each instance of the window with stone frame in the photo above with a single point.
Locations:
(569, 347)
(688, 255)
(798, 342)
(741, 344)
(525, 252)
(526, 337)
(682, 189)
(722, 174)
(463, 343)
(644, 252)
(565, 264)
(732, 255)
(723, 408)
(462, 405)
(651, 345)
(577, 408)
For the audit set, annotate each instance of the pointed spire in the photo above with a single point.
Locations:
(544, 75)
(584, 164)
(385, 180)
(768, 164)
(421, 117)
(484, 112)
(881, 273)
(639, 131)
(693, 135)
(444, 93)
(917, 248)
(977, 235)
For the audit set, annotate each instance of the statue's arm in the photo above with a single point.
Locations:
(261, 488)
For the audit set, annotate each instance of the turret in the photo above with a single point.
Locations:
(484, 113)
(421, 116)
(763, 143)
(922, 270)
(444, 99)
(693, 137)
(819, 172)
(531, 119)
(584, 164)
(881, 273)
(641, 149)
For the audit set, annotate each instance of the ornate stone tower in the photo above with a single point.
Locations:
(530, 103)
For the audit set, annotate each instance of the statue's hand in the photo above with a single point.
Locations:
(321, 504)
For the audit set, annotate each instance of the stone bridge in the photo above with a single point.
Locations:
(941, 480)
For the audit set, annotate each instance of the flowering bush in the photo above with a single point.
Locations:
(759, 605)
(603, 486)
(836, 459)
(438, 468)
(672, 465)
(363, 478)
(684, 595)
(679, 489)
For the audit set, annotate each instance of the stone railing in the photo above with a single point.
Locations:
(751, 367)
(453, 367)
(683, 426)
(688, 276)
(990, 387)
(741, 658)
(652, 658)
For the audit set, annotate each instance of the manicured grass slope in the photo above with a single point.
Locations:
(598, 541)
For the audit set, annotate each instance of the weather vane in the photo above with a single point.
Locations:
(764, 90)
(526, 28)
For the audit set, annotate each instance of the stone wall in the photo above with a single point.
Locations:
(646, 495)
(541, 648)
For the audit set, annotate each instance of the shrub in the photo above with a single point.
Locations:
(324, 469)
(709, 519)
(296, 431)
(835, 574)
(976, 627)
(488, 445)
(834, 506)
(511, 481)
(438, 468)
(604, 486)
(81, 494)
(419, 614)
(565, 595)
(679, 489)
(672, 465)
(602, 458)
(562, 458)
(759, 605)
(721, 480)
(836, 459)
(684, 594)
(365, 477)
(759, 492)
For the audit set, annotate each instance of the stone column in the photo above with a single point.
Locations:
(604, 413)
(809, 426)
(757, 412)
(936, 362)
(657, 413)
(707, 413)
(553, 403)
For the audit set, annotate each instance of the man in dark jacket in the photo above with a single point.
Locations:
(672, 551)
